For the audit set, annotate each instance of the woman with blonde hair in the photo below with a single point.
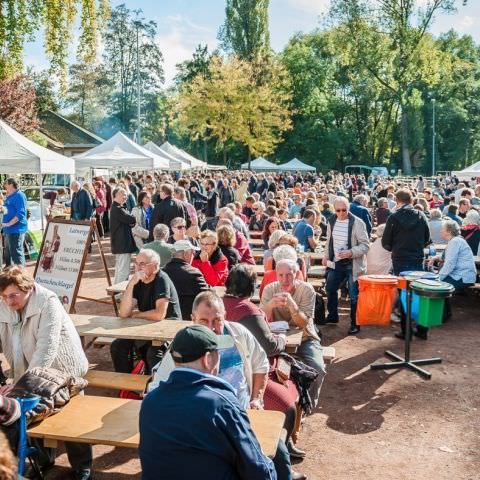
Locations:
(240, 193)
(226, 242)
(210, 260)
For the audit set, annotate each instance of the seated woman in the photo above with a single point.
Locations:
(379, 260)
(239, 308)
(282, 252)
(36, 331)
(269, 227)
(226, 242)
(273, 242)
(179, 229)
(257, 221)
(293, 242)
(435, 226)
(210, 260)
(471, 231)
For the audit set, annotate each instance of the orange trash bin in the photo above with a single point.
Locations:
(376, 294)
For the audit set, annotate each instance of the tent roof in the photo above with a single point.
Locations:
(182, 155)
(18, 154)
(260, 163)
(121, 152)
(471, 171)
(175, 164)
(296, 165)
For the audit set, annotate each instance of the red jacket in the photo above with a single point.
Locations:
(214, 270)
(243, 249)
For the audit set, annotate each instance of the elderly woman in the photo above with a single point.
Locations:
(379, 260)
(435, 226)
(471, 231)
(293, 242)
(271, 225)
(143, 214)
(257, 221)
(36, 331)
(226, 242)
(179, 229)
(210, 260)
(273, 242)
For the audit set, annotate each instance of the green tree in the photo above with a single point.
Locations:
(197, 65)
(46, 96)
(20, 20)
(120, 56)
(245, 32)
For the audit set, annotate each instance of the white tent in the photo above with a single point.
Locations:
(120, 153)
(260, 163)
(182, 155)
(175, 164)
(472, 171)
(19, 155)
(295, 165)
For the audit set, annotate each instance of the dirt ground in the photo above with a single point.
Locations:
(370, 424)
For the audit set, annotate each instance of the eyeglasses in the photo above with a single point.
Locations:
(205, 244)
(9, 298)
(142, 264)
(180, 227)
(341, 210)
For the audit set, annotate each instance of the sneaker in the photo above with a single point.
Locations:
(353, 330)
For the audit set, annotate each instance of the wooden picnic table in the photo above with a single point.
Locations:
(114, 421)
(129, 328)
(315, 257)
(256, 243)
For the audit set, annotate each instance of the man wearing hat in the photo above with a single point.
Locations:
(189, 281)
(192, 425)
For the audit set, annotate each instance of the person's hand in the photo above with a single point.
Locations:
(256, 404)
(193, 189)
(290, 302)
(324, 261)
(345, 254)
(278, 301)
(136, 277)
(204, 256)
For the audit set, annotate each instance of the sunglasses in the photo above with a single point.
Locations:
(181, 227)
(341, 210)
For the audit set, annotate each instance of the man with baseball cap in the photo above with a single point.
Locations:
(189, 281)
(192, 425)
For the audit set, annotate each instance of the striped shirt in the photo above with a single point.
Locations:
(9, 410)
(340, 237)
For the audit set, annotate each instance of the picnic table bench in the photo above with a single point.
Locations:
(114, 421)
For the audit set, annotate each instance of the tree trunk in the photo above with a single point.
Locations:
(224, 156)
(205, 152)
(406, 163)
(249, 157)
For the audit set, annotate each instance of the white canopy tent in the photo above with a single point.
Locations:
(120, 153)
(20, 155)
(260, 164)
(175, 163)
(182, 155)
(295, 165)
(473, 171)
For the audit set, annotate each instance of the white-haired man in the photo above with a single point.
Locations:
(345, 258)
(293, 301)
(156, 299)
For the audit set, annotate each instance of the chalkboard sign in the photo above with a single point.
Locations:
(62, 258)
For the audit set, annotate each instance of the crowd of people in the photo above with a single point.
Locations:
(190, 235)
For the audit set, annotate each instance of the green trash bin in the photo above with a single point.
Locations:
(432, 295)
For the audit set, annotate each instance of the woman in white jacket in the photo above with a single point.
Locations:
(36, 331)
(143, 214)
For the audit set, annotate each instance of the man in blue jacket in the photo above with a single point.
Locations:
(359, 209)
(15, 222)
(192, 425)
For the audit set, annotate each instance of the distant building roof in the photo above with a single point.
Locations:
(65, 132)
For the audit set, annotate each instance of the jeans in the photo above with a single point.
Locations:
(335, 277)
(79, 455)
(16, 255)
(281, 460)
(122, 267)
(310, 352)
(405, 266)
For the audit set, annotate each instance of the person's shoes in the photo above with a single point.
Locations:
(395, 318)
(421, 335)
(84, 474)
(331, 320)
(298, 476)
(294, 451)
(353, 330)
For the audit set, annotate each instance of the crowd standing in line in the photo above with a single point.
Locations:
(190, 236)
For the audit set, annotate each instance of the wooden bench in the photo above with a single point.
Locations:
(117, 381)
(114, 421)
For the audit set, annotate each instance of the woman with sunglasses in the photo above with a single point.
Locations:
(210, 260)
(179, 229)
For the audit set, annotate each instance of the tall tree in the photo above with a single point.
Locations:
(21, 19)
(45, 91)
(197, 65)
(120, 55)
(245, 31)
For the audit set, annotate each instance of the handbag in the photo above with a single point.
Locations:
(141, 232)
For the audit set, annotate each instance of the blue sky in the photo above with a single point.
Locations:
(183, 24)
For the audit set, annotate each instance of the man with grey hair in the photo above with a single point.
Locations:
(156, 299)
(160, 245)
(121, 237)
(360, 210)
(293, 301)
(189, 281)
(382, 212)
(345, 258)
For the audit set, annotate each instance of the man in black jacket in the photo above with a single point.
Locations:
(121, 237)
(211, 199)
(406, 235)
(188, 280)
(82, 204)
(167, 209)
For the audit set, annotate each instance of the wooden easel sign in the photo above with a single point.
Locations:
(62, 258)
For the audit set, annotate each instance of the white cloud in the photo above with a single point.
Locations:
(314, 7)
(178, 39)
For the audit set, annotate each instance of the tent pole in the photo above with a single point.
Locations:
(41, 203)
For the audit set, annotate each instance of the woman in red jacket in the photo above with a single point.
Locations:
(210, 260)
